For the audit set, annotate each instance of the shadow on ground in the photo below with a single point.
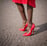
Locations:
(42, 28)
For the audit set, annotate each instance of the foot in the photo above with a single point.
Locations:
(24, 26)
(28, 28)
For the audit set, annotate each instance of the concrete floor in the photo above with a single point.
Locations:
(11, 21)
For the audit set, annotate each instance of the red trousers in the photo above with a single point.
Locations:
(29, 2)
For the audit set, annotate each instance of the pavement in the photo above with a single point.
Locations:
(11, 21)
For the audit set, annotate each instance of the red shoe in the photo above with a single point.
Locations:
(23, 29)
(32, 29)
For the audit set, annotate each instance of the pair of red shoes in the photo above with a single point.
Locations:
(32, 29)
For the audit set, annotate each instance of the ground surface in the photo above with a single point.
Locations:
(11, 21)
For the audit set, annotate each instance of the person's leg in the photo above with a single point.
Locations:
(22, 11)
(29, 21)
(30, 14)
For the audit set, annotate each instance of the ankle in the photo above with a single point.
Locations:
(29, 24)
(24, 21)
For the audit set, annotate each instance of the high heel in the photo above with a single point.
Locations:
(32, 29)
(23, 29)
